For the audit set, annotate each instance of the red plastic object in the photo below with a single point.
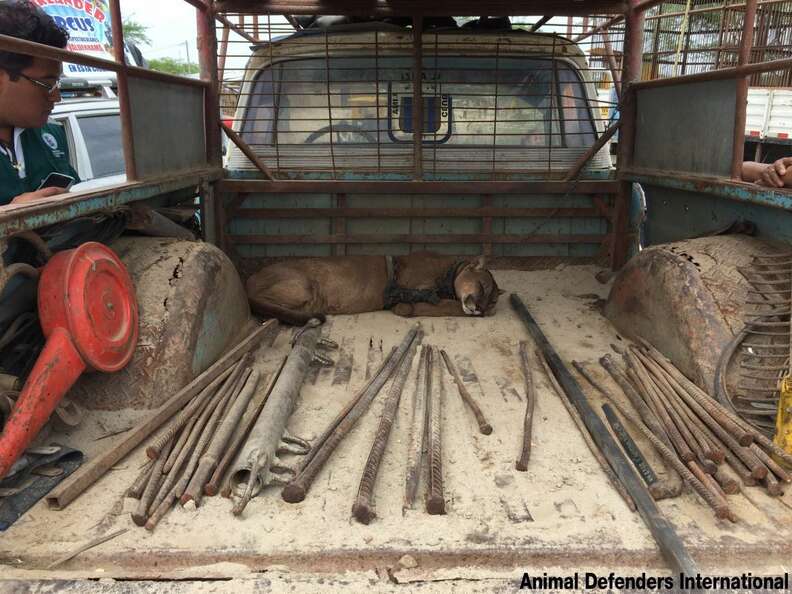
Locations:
(88, 313)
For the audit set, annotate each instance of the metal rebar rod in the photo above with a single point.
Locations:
(88, 473)
(137, 487)
(182, 460)
(188, 412)
(423, 384)
(217, 437)
(671, 546)
(530, 405)
(670, 402)
(630, 447)
(758, 470)
(584, 432)
(646, 414)
(716, 411)
(140, 515)
(728, 483)
(319, 441)
(363, 507)
(671, 486)
(652, 394)
(483, 425)
(295, 491)
(241, 433)
(771, 464)
(435, 490)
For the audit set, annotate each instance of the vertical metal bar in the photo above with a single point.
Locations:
(277, 88)
(437, 86)
(553, 97)
(417, 98)
(125, 108)
(722, 28)
(377, 101)
(614, 68)
(223, 53)
(686, 50)
(495, 110)
(569, 27)
(329, 102)
(256, 26)
(744, 57)
(656, 44)
(631, 72)
(207, 58)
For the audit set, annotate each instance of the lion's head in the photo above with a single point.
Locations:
(476, 289)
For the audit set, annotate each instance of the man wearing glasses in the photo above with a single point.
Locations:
(30, 147)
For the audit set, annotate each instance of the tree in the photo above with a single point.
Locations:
(173, 66)
(135, 32)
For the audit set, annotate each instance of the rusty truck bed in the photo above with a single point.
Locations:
(560, 516)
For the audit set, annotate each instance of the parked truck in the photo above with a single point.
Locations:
(391, 138)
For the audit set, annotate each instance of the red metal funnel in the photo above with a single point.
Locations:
(88, 313)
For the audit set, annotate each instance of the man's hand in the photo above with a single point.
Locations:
(45, 193)
(772, 175)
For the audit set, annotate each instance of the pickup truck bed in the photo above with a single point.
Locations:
(560, 517)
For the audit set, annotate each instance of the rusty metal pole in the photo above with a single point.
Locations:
(207, 58)
(122, 80)
(631, 72)
(612, 63)
(417, 97)
(746, 42)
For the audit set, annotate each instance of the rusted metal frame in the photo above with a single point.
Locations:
(612, 65)
(423, 187)
(390, 8)
(293, 22)
(201, 5)
(723, 8)
(417, 97)
(601, 27)
(744, 57)
(631, 73)
(437, 88)
(411, 239)
(495, 109)
(222, 53)
(486, 213)
(538, 24)
(377, 101)
(235, 28)
(207, 59)
(575, 170)
(556, 108)
(29, 48)
(486, 221)
(246, 150)
(686, 49)
(256, 27)
(277, 87)
(339, 222)
(722, 74)
(569, 26)
(721, 30)
(326, 36)
(125, 108)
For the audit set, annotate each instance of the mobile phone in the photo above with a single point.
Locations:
(57, 180)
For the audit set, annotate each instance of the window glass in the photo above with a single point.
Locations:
(102, 135)
(467, 102)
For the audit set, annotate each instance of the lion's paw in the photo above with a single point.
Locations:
(404, 310)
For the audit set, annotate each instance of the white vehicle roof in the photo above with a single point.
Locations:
(85, 105)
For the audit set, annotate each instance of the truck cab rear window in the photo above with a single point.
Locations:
(468, 101)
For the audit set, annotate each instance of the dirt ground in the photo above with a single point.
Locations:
(560, 516)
